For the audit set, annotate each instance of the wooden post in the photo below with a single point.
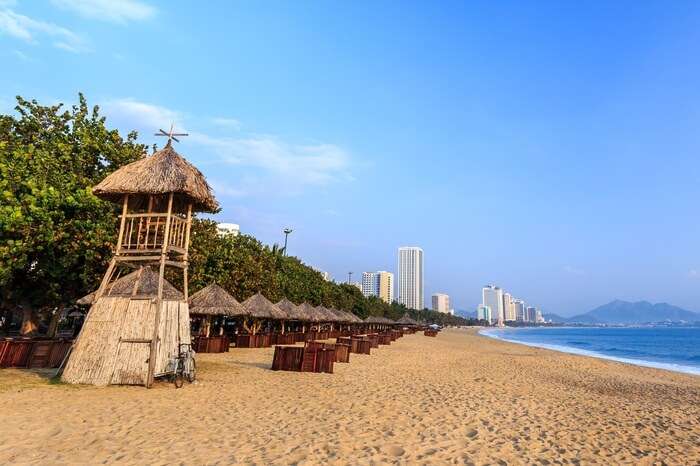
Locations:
(187, 249)
(159, 299)
(113, 262)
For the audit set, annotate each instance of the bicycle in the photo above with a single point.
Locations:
(185, 366)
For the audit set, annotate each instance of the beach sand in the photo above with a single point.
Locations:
(456, 399)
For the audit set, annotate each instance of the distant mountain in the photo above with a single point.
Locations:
(547, 316)
(625, 312)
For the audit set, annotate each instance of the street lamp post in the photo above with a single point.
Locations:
(349, 278)
(286, 231)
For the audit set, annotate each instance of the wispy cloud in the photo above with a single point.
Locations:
(144, 117)
(22, 56)
(30, 30)
(114, 11)
(229, 123)
(264, 162)
(316, 164)
(693, 273)
(570, 269)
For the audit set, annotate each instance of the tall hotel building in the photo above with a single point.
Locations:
(508, 308)
(492, 297)
(379, 284)
(411, 277)
(441, 303)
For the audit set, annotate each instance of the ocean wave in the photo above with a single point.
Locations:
(686, 369)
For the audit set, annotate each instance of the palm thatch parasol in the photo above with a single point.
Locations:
(293, 311)
(311, 312)
(327, 315)
(259, 307)
(406, 320)
(139, 284)
(213, 300)
(166, 171)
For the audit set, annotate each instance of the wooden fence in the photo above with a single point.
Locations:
(33, 353)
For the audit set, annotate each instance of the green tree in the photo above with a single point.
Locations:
(55, 236)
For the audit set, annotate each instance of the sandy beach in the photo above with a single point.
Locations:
(456, 399)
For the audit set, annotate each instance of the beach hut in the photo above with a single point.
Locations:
(258, 310)
(213, 304)
(294, 313)
(131, 339)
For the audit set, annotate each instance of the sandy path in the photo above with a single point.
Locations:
(458, 399)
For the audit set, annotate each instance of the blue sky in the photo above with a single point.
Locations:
(549, 147)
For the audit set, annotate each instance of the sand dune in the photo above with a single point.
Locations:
(455, 399)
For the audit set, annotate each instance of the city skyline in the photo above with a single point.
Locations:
(314, 109)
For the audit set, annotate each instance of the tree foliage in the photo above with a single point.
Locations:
(55, 236)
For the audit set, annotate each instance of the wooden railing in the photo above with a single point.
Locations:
(146, 233)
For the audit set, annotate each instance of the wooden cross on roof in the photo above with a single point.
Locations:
(171, 134)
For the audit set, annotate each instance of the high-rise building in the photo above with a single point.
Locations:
(370, 284)
(520, 314)
(508, 308)
(538, 316)
(492, 296)
(379, 284)
(441, 303)
(530, 312)
(411, 277)
(226, 229)
(483, 313)
(386, 286)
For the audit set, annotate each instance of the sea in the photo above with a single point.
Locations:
(671, 348)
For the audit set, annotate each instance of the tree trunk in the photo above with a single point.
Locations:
(29, 327)
(53, 325)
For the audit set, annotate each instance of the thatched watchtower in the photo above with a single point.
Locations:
(130, 338)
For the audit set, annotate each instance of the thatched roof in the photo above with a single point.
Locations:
(341, 316)
(378, 320)
(164, 172)
(311, 313)
(260, 307)
(406, 320)
(327, 315)
(139, 284)
(293, 311)
(215, 301)
(355, 319)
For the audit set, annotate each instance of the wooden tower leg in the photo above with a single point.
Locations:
(159, 300)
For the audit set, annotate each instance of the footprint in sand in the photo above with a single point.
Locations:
(472, 433)
(393, 450)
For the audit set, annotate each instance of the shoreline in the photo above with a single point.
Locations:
(671, 367)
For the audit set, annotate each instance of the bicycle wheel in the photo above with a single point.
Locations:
(192, 373)
(178, 380)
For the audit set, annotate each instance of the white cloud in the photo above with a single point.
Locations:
(114, 11)
(265, 163)
(230, 123)
(29, 30)
(693, 273)
(315, 164)
(143, 117)
(570, 269)
(22, 56)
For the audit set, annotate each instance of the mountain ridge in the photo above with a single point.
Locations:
(627, 312)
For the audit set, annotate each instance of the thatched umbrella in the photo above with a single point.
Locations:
(139, 284)
(212, 301)
(293, 312)
(259, 308)
(164, 172)
(407, 320)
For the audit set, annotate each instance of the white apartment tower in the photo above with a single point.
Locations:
(492, 297)
(411, 277)
(441, 303)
